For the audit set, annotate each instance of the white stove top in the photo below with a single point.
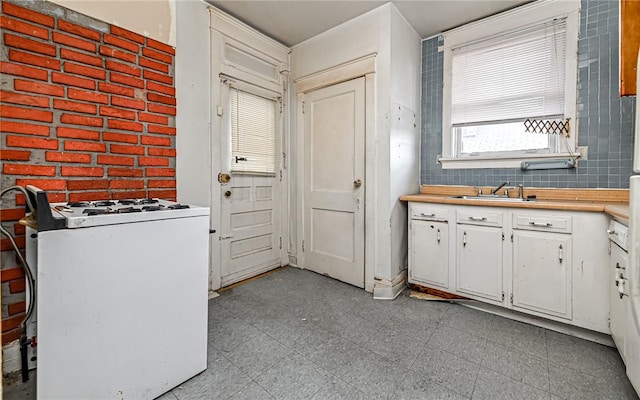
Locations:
(109, 212)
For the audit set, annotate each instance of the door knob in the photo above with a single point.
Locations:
(357, 183)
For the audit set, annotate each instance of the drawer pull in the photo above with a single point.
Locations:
(478, 218)
(560, 254)
(546, 224)
(427, 215)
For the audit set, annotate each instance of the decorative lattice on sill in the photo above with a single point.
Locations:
(547, 127)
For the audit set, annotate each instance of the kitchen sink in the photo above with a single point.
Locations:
(491, 198)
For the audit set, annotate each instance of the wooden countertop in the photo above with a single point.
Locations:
(618, 211)
(614, 202)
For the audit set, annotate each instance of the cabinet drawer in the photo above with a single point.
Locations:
(480, 216)
(428, 212)
(549, 223)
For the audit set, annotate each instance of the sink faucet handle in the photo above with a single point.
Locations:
(479, 189)
(503, 184)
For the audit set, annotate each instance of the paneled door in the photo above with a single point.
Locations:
(334, 187)
(250, 228)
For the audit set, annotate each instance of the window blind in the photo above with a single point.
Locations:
(253, 133)
(509, 77)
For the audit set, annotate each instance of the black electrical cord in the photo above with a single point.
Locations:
(30, 281)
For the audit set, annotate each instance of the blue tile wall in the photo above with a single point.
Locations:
(605, 120)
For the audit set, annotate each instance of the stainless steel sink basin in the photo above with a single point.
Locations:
(491, 198)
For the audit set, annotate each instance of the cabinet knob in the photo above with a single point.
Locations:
(357, 183)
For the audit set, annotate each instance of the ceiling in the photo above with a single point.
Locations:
(291, 22)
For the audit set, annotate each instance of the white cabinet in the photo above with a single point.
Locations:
(430, 245)
(479, 268)
(479, 251)
(546, 263)
(619, 301)
(542, 273)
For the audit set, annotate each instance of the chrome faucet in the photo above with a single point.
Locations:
(503, 184)
(520, 188)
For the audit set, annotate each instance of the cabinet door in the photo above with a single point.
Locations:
(430, 252)
(479, 266)
(618, 321)
(542, 273)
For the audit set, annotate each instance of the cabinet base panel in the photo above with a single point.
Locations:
(435, 292)
(560, 327)
(556, 326)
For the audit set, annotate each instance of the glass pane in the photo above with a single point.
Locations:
(499, 138)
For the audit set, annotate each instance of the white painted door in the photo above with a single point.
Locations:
(334, 187)
(542, 272)
(250, 228)
(430, 253)
(479, 251)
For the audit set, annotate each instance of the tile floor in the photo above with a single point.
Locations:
(295, 334)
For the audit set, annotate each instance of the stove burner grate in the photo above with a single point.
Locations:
(127, 202)
(147, 201)
(152, 208)
(105, 203)
(96, 211)
(78, 204)
(178, 206)
(127, 210)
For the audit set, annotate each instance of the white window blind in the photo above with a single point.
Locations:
(253, 133)
(509, 77)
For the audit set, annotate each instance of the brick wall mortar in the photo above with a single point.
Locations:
(87, 111)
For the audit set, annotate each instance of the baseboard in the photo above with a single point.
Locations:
(385, 289)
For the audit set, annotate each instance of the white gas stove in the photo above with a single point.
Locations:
(121, 302)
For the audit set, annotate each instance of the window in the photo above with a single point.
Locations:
(501, 71)
(253, 133)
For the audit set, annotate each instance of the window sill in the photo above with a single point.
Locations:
(498, 162)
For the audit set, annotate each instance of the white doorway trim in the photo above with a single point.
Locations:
(360, 67)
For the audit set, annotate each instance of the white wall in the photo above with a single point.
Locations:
(404, 158)
(152, 18)
(193, 70)
(194, 157)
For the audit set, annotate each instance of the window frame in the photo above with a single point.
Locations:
(534, 13)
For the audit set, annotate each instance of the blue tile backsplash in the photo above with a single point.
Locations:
(605, 120)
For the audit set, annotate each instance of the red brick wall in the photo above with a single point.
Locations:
(87, 111)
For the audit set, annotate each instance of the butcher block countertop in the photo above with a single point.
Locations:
(614, 202)
(618, 211)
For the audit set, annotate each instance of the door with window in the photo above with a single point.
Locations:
(250, 183)
(334, 133)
